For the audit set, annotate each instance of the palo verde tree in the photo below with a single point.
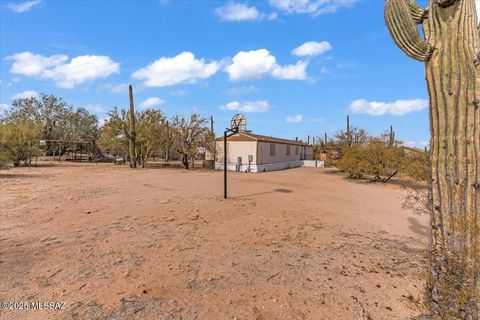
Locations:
(113, 133)
(150, 134)
(19, 141)
(450, 50)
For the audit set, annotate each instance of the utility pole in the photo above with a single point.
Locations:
(214, 145)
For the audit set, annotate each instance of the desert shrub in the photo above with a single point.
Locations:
(416, 165)
(19, 141)
(381, 159)
(353, 162)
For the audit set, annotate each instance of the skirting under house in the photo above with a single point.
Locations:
(269, 166)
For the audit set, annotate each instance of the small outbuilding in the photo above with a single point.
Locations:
(249, 152)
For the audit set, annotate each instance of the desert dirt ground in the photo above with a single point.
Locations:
(116, 243)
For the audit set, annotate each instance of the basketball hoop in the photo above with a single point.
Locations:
(239, 122)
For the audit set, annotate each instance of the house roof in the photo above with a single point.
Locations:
(248, 136)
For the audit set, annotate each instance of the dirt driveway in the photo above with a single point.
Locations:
(113, 243)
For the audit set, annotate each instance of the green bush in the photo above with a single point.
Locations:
(19, 141)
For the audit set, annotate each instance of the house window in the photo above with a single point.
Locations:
(288, 150)
(296, 150)
(272, 149)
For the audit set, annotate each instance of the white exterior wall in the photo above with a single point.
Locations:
(313, 163)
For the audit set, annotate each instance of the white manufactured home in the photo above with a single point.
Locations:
(248, 152)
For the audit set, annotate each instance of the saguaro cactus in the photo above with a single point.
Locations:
(449, 49)
(349, 134)
(132, 138)
(391, 137)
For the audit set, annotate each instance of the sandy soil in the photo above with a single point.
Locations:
(113, 243)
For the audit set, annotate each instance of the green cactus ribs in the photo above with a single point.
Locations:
(450, 49)
(401, 17)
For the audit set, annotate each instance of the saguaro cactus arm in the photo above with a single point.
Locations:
(418, 13)
(477, 58)
(401, 17)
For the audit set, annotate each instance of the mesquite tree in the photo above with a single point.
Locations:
(450, 50)
(190, 134)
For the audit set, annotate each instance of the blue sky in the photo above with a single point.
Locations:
(293, 67)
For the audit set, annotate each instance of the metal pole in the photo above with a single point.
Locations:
(225, 164)
(167, 145)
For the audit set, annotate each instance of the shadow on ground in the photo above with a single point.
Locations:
(262, 193)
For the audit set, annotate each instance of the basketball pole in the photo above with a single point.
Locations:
(226, 134)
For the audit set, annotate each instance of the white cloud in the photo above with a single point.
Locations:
(248, 106)
(30, 64)
(81, 69)
(4, 107)
(315, 7)
(26, 94)
(312, 48)
(64, 74)
(151, 102)
(256, 64)
(397, 108)
(102, 120)
(237, 12)
(23, 6)
(179, 69)
(324, 70)
(291, 72)
(241, 12)
(294, 119)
